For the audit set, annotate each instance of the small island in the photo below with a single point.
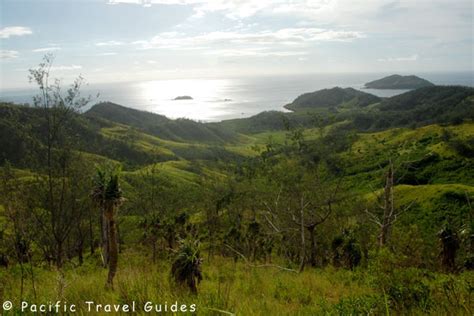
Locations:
(399, 82)
(183, 97)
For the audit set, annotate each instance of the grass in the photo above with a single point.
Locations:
(396, 137)
(227, 286)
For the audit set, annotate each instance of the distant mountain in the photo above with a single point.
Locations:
(332, 98)
(399, 82)
(183, 97)
(161, 126)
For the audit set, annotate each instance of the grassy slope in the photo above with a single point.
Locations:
(367, 155)
(227, 286)
(424, 152)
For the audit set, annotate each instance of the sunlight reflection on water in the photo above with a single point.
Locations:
(210, 98)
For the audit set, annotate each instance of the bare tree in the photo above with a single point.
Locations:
(385, 201)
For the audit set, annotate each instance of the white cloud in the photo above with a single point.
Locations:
(66, 68)
(398, 59)
(286, 36)
(46, 49)
(236, 9)
(438, 19)
(145, 3)
(8, 54)
(10, 31)
(254, 53)
(109, 43)
(107, 54)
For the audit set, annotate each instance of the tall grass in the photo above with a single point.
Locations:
(240, 289)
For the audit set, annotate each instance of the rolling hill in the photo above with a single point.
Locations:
(332, 98)
(183, 130)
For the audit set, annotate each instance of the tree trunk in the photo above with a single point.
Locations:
(113, 246)
(91, 235)
(154, 250)
(312, 259)
(59, 254)
(303, 242)
(81, 239)
(80, 251)
(388, 211)
(104, 223)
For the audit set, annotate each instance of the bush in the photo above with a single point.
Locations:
(186, 268)
(371, 304)
(406, 288)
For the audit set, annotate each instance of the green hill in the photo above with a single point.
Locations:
(399, 82)
(363, 111)
(332, 98)
(177, 130)
(94, 134)
(424, 106)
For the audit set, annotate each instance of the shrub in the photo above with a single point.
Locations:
(370, 304)
(186, 268)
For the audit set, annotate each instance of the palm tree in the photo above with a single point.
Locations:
(186, 268)
(108, 195)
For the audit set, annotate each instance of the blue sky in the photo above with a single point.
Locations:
(128, 40)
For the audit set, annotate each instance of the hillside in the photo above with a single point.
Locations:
(138, 137)
(108, 139)
(183, 130)
(424, 106)
(399, 82)
(331, 99)
(363, 111)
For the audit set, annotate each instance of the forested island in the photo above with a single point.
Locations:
(399, 82)
(183, 97)
(350, 204)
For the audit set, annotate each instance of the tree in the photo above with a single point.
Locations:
(219, 194)
(389, 214)
(303, 185)
(56, 204)
(108, 195)
(386, 202)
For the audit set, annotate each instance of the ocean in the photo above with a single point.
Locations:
(221, 99)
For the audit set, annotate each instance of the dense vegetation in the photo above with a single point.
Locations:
(399, 82)
(326, 211)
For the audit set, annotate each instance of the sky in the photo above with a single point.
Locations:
(133, 40)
